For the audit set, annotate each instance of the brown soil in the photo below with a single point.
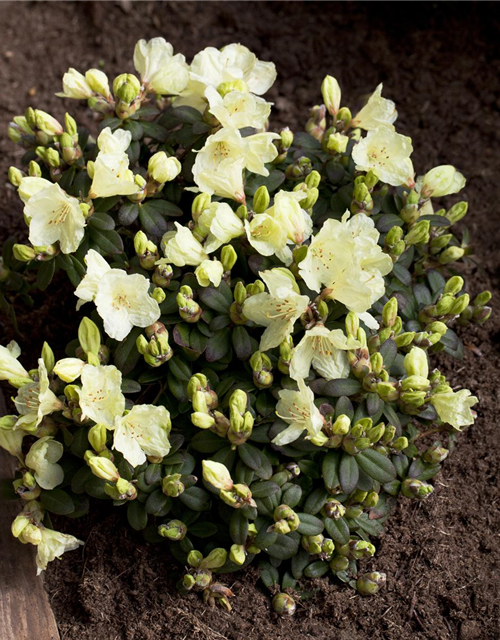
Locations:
(440, 63)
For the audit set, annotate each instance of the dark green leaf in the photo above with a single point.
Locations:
(109, 242)
(376, 465)
(101, 221)
(337, 530)
(57, 501)
(348, 473)
(218, 345)
(126, 355)
(45, 274)
(136, 515)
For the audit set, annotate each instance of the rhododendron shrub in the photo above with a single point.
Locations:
(253, 378)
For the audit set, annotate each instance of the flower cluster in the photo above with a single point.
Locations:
(256, 377)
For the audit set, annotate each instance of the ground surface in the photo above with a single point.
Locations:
(440, 63)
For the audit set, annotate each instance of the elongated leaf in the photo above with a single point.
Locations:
(242, 343)
(101, 221)
(348, 473)
(45, 274)
(137, 515)
(151, 219)
(376, 465)
(218, 345)
(109, 242)
(57, 501)
(126, 355)
(238, 527)
(330, 469)
(309, 525)
(338, 530)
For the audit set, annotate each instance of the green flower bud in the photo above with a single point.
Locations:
(419, 233)
(339, 563)
(313, 544)
(436, 454)
(15, 176)
(457, 212)
(174, 530)
(330, 90)
(357, 549)
(283, 604)
(97, 436)
(460, 304)
(482, 299)
(261, 199)
(202, 420)
(163, 168)
(126, 87)
(413, 488)
(451, 254)
(46, 123)
(215, 559)
(286, 138)
(162, 275)
(311, 199)
(316, 124)
(228, 257)
(235, 85)
(237, 554)
(390, 312)
(400, 443)
(394, 235)
(341, 425)
(387, 391)
(194, 558)
(172, 485)
(299, 169)
(200, 203)
(344, 116)
(23, 253)
(103, 468)
(369, 583)
(440, 242)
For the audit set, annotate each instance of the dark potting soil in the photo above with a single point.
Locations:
(440, 63)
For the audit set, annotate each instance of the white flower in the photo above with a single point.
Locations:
(387, 154)
(325, 351)
(55, 217)
(209, 271)
(218, 168)
(75, 85)
(42, 459)
(455, 407)
(268, 237)
(298, 409)
(345, 257)
(221, 224)
(98, 82)
(277, 310)
(234, 63)
(442, 181)
(69, 369)
(100, 397)
(53, 545)
(122, 300)
(160, 70)
(238, 109)
(112, 177)
(35, 400)
(11, 439)
(10, 367)
(142, 431)
(377, 112)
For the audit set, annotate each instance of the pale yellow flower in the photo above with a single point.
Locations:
(54, 216)
(387, 154)
(10, 367)
(345, 257)
(217, 474)
(42, 460)
(218, 168)
(277, 310)
(100, 397)
(181, 248)
(238, 109)
(142, 432)
(324, 350)
(220, 224)
(442, 181)
(160, 70)
(52, 545)
(455, 407)
(209, 272)
(35, 400)
(112, 176)
(298, 409)
(75, 85)
(377, 112)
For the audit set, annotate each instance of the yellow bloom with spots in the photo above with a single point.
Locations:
(345, 258)
(35, 400)
(325, 351)
(53, 215)
(277, 310)
(297, 408)
(100, 397)
(122, 300)
(218, 168)
(387, 154)
(142, 432)
(220, 224)
(455, 407)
